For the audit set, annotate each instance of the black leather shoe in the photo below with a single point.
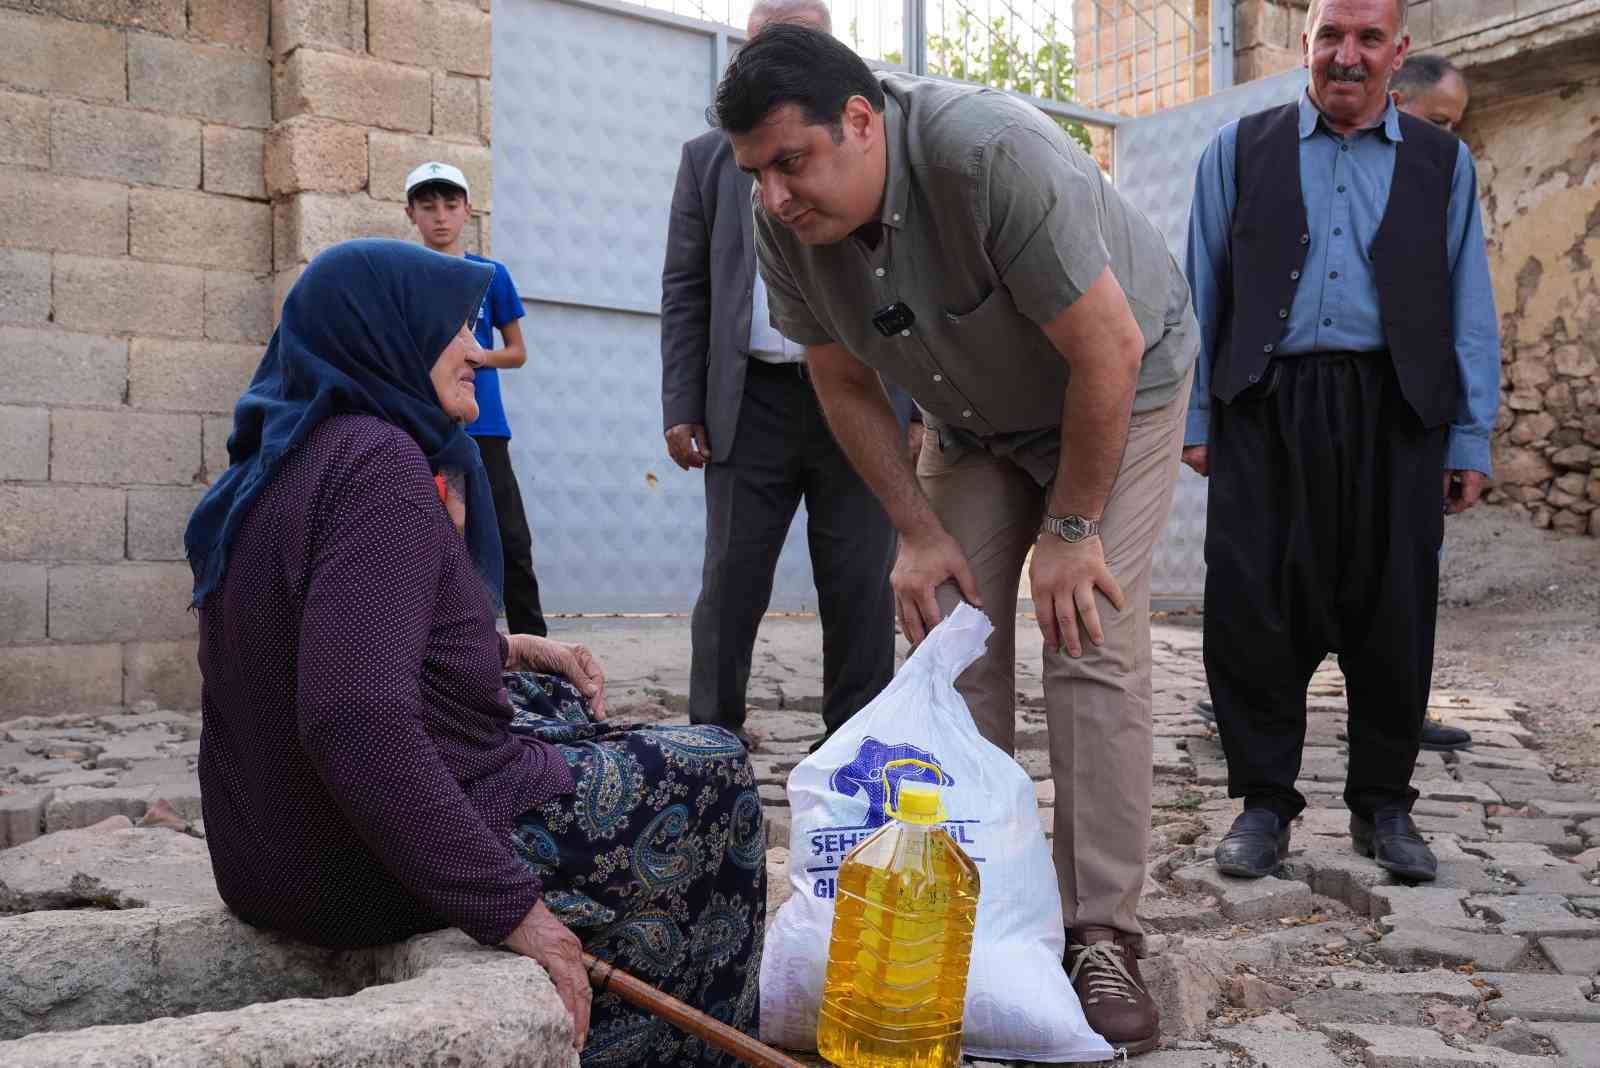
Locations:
(1442, 739)
(1254, 846)
(1204, 710)
(1391, 839)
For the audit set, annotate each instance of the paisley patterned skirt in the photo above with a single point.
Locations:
(657, 861)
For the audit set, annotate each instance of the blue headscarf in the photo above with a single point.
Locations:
(361, 329)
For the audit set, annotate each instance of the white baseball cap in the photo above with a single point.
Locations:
(434, 171)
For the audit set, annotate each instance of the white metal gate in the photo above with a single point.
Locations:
(592, 102)
(1155, 161)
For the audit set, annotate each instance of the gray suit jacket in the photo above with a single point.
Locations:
(706, 286)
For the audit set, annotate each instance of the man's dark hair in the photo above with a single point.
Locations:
(435, 189)
(789, 64)
(1421, 73)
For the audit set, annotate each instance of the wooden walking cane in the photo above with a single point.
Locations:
(603, 977)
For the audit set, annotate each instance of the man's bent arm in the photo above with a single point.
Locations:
(861, 419)
(1101, 342)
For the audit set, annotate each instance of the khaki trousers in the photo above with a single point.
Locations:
(1097, 706)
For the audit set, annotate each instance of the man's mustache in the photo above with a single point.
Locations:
(1339, 73)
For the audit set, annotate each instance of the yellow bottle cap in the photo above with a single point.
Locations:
(919, 803)
(919, 800)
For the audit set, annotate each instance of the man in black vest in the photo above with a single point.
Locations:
(1347, 386)
(1430, 87)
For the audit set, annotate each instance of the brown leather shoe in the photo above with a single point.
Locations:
(1105, 975)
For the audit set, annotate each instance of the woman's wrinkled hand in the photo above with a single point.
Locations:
(575, 663)
(546, 939)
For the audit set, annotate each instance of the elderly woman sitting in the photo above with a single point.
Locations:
(367, 770)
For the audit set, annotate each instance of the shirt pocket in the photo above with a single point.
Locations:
(990, 309)
(1000, 366)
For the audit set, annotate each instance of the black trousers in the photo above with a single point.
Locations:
(784, 452)
(1323, 531)
(523, 614)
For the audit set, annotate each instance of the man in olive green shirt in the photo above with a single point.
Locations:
(957, 241)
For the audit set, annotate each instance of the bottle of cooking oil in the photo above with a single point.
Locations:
(903, 917)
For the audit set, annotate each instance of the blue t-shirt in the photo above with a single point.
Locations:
(501, 306)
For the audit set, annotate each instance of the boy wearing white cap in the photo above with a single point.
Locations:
(438, 203)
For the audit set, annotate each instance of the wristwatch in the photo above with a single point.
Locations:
(1071, 528)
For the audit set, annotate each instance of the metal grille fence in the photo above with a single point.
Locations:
(1120, 57)
(1138, 57)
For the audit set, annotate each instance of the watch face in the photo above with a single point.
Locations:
(1076, 526)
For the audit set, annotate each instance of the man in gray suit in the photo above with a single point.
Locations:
(737, 402)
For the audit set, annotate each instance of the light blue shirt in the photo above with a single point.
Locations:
(1344, 183)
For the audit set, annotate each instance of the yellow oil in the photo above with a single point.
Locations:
(903, 916)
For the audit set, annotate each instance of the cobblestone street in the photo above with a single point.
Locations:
(1328, 964)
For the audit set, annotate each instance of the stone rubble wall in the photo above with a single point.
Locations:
(1540, 188)
(166, 168)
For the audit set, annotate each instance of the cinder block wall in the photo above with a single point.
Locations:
(364, 90)
(166, 167)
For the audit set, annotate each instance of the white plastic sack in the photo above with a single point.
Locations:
(1020, 1005)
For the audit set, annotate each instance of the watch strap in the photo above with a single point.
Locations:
(1059, 526)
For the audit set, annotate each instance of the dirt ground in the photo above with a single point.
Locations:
(1519, 613)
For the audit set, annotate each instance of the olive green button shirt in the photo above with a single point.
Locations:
(994, 222)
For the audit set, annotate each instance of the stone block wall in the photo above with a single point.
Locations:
(1266, 37)
(166, 168)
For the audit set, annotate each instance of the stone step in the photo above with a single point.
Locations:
(1247, 900)
(1560, 998)
(1414, 942)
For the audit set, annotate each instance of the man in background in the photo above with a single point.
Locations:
(439, 204)
(1432, 89)
(738, 403)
